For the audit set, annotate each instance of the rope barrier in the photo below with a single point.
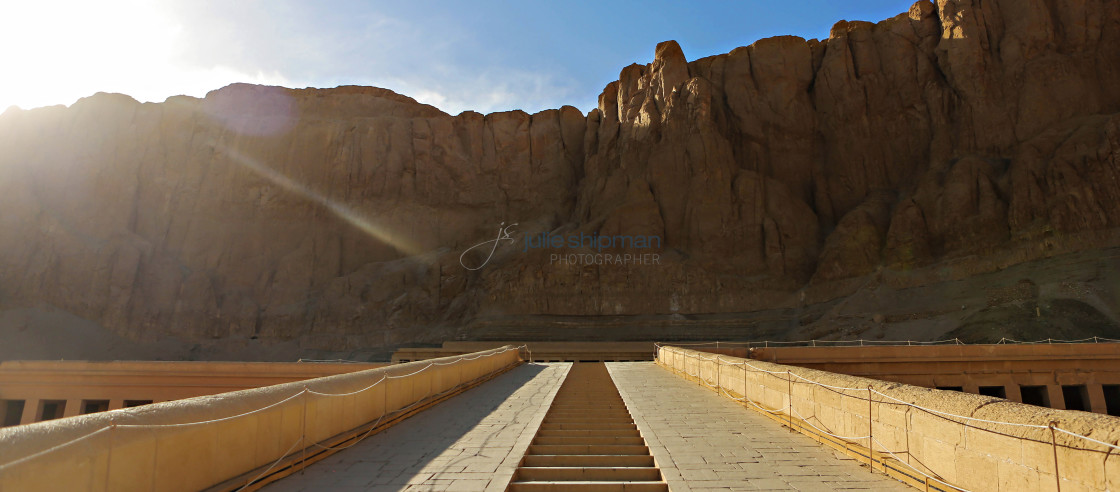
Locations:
(807, 421)
(273, 465)
(813, 342)
(425, 368)
(383, 378)
(187, 424)
(752, 402)
(928, 476)
(360, 439)
(871, 440)
(489, 353)
(747, 364)
(1087, 438)
(379, 381)
(839, 388)
(951, 415)
(862, 342)
(54, 448)
(1005, 341)
(822, 431)
(896, 401)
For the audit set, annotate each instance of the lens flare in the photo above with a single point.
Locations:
(351, 216)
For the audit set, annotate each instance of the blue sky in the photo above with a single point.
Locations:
(485, 55)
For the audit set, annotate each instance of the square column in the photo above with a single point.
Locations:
(73, 408)
(1096, 398)
(30, 412)
(1057, 400)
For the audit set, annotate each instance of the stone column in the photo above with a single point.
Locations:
(1096, 398)
(1056, 399)
(73, 408)
(30, 412)
(1013, 393)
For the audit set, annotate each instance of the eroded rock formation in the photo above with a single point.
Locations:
(338, 216)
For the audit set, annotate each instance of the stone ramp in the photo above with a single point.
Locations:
(703, 442)
(472, 442)
(477, 441)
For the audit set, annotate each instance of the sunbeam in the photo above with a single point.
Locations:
(351, 216)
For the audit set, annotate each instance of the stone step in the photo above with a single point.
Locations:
(586, 473)
(587, 415)
(588, 487)
(587, 426)
(549, 440)
(589, 433)
(564, 460)
(605, 420)
(588, 449)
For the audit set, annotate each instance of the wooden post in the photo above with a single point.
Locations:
(870, 442)
(744, 395)
(1054, 445)
(699, 373)
(718, 386)
(907, 429)
(789, 392)
(303, 433)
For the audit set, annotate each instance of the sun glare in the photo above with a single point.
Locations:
(58, 52)
(342, 211)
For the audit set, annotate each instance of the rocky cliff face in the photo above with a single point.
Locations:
(774, 172)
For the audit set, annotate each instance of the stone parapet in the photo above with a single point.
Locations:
(962, 441)
(227, 440)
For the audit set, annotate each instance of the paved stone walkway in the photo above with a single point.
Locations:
(703, 442)
(471, 442)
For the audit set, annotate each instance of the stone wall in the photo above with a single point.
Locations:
(225, 440)
(970, 441)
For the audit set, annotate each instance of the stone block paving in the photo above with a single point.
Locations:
(471, 442)
(704, 442)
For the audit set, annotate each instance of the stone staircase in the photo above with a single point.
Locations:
(588, 442)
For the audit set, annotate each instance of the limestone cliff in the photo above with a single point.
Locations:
(774, 174)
